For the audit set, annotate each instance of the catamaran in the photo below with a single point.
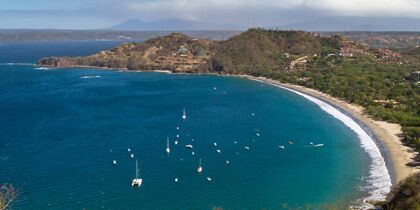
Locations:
(137, 181)
(168, 150)
(199, 169)
(184, 114)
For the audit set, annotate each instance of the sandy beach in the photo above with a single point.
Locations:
(388, 133)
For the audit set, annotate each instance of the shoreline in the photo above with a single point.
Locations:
(384, 133)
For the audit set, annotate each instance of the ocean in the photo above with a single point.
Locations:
(61, 130)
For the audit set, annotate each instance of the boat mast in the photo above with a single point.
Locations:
(137, 169)
(184, 114)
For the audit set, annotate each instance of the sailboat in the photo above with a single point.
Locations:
(168, 150)
(184, 114)
(137, 181)
(199, 169)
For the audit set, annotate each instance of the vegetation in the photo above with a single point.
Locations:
(7, 195)
(406, 195)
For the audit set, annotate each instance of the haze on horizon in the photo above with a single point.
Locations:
(211, 14)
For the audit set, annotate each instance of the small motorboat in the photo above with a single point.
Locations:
(257, 134)
(176, 179)
(132, 155)
(246, 148)
(215, 144)
(176, 142)
(227, 161)
(235, 142)
(129, 150)
(218, 151)
(318, 145)
(282, 147)
(291, 142)
(209, 179)
(189, 146)
(114, 162)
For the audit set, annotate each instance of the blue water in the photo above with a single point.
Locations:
(59, 134)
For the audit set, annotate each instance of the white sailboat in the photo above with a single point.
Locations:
(199, 169)
(184, 114)
(138, 180)
(168, 150)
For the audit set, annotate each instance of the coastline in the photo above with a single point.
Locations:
(387, 133)
(384, 136)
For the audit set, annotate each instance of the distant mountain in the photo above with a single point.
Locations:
(357, 24)
(170, 25)
(39, 35)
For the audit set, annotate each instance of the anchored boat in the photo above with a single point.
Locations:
(138, 180)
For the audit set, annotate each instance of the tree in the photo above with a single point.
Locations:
(7, 194)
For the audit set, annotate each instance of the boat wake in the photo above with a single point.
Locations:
(90, 77)
(17, 64)
(379, 180)
(42, 68)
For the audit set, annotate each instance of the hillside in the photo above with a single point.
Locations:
(261, 51)
(175, 52)
(393, 39)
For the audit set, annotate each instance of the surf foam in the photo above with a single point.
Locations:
(379, 180)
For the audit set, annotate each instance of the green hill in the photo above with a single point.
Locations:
(258, 51)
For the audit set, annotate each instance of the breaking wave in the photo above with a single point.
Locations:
(379, 180)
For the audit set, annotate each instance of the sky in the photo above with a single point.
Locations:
(98, 14)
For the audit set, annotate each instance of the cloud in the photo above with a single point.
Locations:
(105, 13)
(395, 8)
(193, 9)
